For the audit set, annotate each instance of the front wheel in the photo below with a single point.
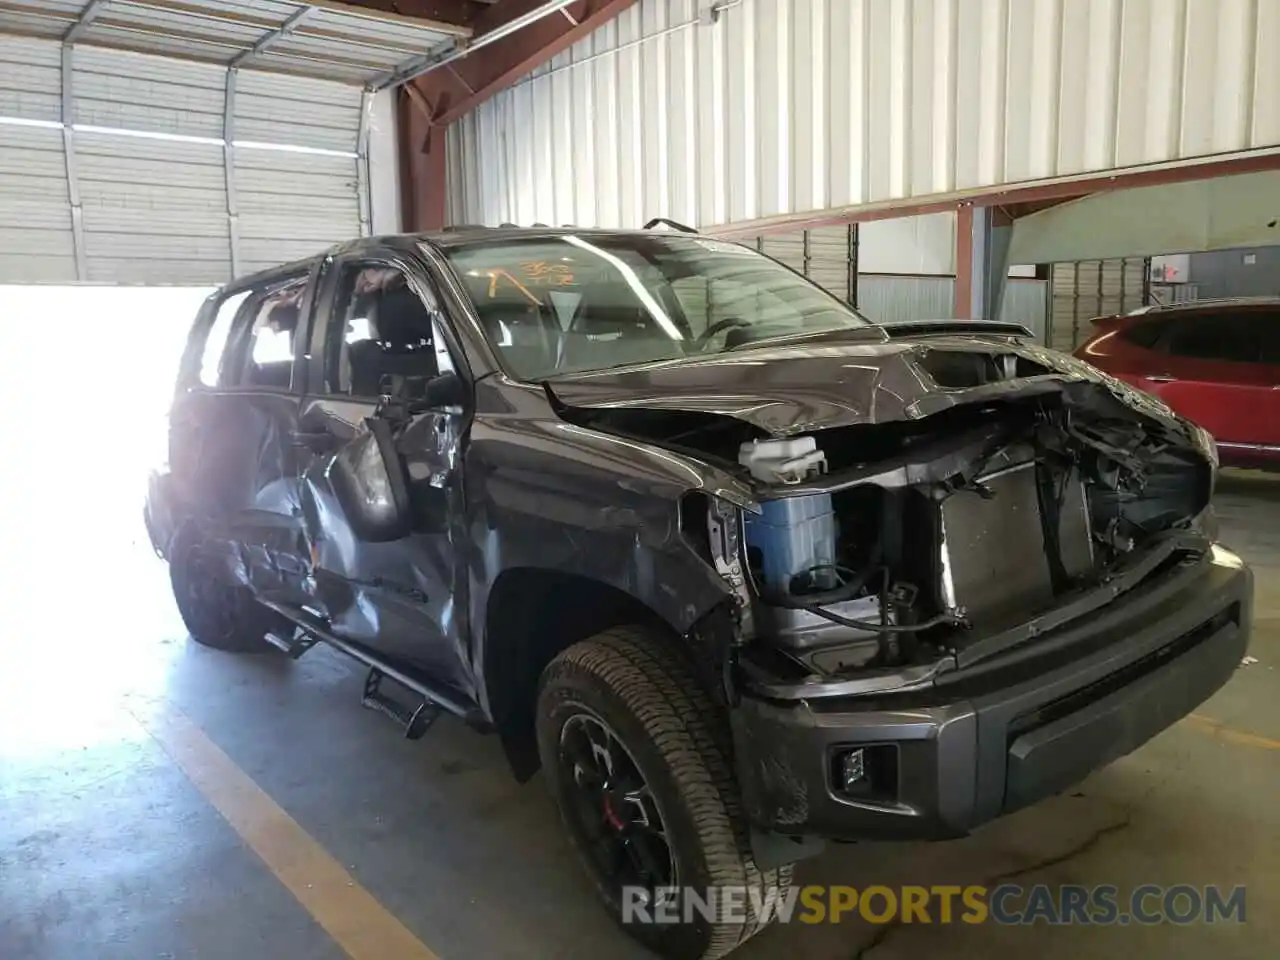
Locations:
(629, 744)
(217, 612)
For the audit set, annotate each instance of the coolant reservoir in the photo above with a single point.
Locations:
(783, 461)
(794, 536)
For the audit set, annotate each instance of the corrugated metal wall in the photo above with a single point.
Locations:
(35, 212)
(894, 299)
(148, 179)
(826, 255)
(786, 106)
(292, 203)
(832, 258)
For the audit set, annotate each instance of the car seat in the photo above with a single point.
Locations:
(399, 347)
(276, 373)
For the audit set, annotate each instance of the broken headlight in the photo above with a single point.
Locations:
(724, 537)
(1204, 443)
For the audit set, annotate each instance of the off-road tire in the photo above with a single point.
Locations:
(634, 681)
(217, 612)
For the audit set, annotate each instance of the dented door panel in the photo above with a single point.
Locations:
(233, 469)
(400, 597)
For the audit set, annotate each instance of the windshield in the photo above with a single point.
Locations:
(571, 303)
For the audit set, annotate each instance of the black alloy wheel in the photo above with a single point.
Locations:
(638, 756)
(612, 810)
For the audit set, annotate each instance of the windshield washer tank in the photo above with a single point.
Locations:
(793, 536)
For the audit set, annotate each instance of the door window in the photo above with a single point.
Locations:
(1266, 328)
(272, 334)
(1230, 337)
(216, 342)
(381, 338)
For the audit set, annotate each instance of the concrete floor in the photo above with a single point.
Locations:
(109, 850)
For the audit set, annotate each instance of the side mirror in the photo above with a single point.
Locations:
(444, 390)
(371, 485)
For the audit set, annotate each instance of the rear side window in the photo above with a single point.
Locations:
(215, 343)
(276, 314)
(1146, 333)
(1269, 338)
(265, 322)
(1233, 337)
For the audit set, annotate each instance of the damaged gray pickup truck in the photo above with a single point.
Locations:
(739, 570)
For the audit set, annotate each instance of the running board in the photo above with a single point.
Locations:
(437, 698)
(293, 647)
(415, 723)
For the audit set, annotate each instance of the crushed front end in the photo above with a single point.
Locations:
(950, 618)
(974, 570)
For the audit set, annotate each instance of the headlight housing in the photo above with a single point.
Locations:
(724, 540)
(1205, 445)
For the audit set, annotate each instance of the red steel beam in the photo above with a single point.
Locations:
(431, 102)
(465, 84)
(962, 308)
(423, 178)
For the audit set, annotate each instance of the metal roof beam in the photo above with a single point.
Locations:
(489, 31)
(439, 96)
(272, 37)
(86, 17)
(511, 53)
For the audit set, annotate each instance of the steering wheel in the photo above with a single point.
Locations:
(728, 323)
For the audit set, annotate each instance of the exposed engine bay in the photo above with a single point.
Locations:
(888, 544)
(1002, 514)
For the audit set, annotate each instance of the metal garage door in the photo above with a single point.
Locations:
(124, 167)
(1086, 289)
(826, 255)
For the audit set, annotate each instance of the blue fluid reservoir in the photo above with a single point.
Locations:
(794, 535)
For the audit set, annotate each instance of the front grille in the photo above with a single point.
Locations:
(1078, 699)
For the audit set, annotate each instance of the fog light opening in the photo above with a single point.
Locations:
(868, 772)
(853, 770)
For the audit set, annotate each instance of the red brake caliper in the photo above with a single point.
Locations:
(609, 815)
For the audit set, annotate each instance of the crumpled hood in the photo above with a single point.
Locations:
(797, 388)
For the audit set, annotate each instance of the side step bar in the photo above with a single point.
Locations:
(293, 647)
(437, 697)
(415, 723)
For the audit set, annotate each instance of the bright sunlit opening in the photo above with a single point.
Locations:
(86, 376)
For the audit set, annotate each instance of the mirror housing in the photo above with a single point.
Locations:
(371, 484)
(442, 390)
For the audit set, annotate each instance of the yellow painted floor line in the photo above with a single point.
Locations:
(347, 911)
(1216, 728)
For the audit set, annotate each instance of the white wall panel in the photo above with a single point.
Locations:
(384, 165)
(784, 107)
(1197, 215)
(923, 245)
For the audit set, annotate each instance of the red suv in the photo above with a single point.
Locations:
(1216, 362)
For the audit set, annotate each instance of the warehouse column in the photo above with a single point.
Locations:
(982, 261)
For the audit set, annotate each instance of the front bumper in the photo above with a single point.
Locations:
(996, 737)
